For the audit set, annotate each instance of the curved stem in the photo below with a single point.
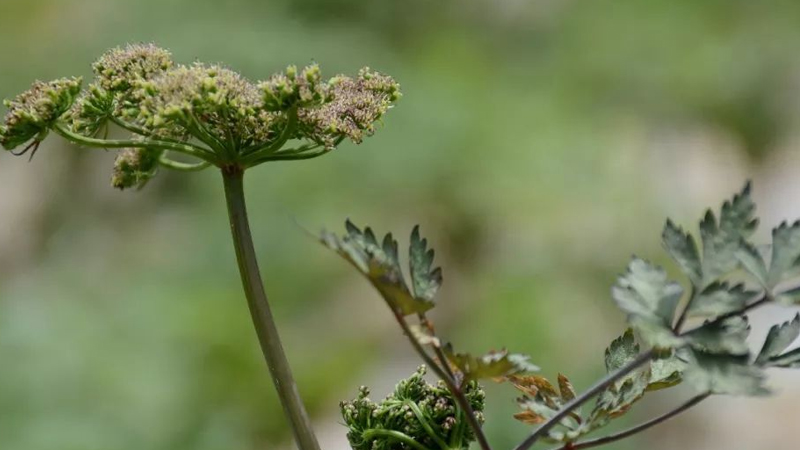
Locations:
(599, 387)
(425, 425)
(397, 435)
(203, 134)
(638, 428)
(129, 126)
(682, 318)
(182, 166)
(262, 315)
(119, 143)
(257, 152)
(458, 394)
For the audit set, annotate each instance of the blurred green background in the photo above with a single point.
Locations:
(539, 144)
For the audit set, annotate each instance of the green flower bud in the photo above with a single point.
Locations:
(134, 167)
(31, 114)
(92, 109)
(285, 90)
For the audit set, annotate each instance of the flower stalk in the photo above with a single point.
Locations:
(264, 322)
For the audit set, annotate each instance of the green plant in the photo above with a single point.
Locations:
(216, 118)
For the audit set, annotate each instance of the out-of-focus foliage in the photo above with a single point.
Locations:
(531, 135)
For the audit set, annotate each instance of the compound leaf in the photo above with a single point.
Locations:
(379, 264)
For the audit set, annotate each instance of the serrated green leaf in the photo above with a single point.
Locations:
(619, 397)
(722, 337)
(722, 241)
(719, 298)
(779, 338)
(785, 253)
(622, 351)
(648, 297)
(725, 374)
(666, 372)
(379, 264)
(491, 365)
(682, 248)
(425, 279)
(752, 261)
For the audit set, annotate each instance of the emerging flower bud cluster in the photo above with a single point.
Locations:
(414, 408)
(304, 89)
(31, 114)
(214, 103)
(134, 167)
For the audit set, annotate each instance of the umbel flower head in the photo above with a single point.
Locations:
(416, 410)
(205, 112)
(31, 114)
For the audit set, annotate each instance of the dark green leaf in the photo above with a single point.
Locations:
(380, 264)
(722, 241)
(425, 279)
(779, 338)
(622, 351)
(682, 248)
(785, 253)
(724, 374)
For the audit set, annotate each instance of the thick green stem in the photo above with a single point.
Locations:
(262, 316)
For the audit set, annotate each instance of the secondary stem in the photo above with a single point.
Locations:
(262, 316)
(458, 394)
(584, 397)
(638, 428)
